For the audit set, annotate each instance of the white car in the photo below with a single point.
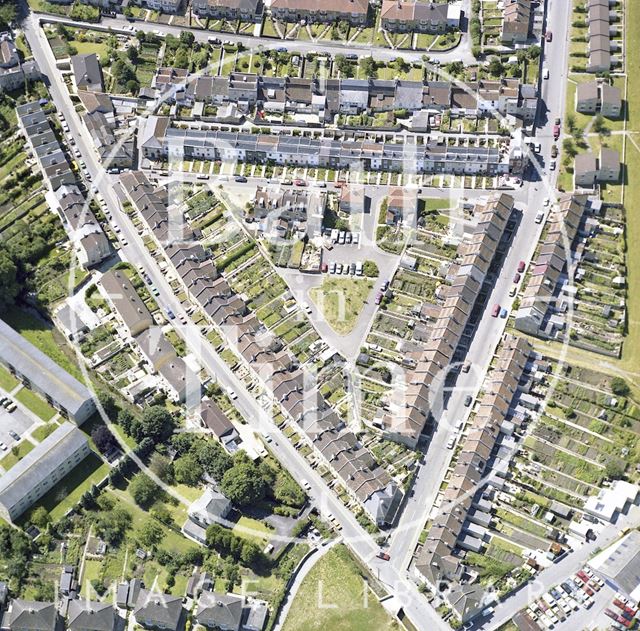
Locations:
(306, 308)
(545, 73)
(231, 393)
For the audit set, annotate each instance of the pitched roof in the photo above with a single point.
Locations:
(86, 615)
(158, 607)
(32, 615)
(223, 610)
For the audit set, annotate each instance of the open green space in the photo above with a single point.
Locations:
(16, 454)
(341, 300)
(36, 404)
(43, 337)
(7, 381)
(67, 493)
(334, 595)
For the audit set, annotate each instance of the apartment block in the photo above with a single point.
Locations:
(41, 469)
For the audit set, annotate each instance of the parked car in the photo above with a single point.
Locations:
(495, 311)
(14, 435)
(467, 400)
(231, 393)
(503, 313)
(549, 36)
(170, 313)
(554, 151)
(383, 555)
(516, 277)
(378, 299)
(240, 179)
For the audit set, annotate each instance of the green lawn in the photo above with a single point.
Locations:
(40, 433)
(16, 454)
(35, 403)
(7, 381)
(72, 487)
(332, 597)
(341, 300)
(43, 337)
(253, 529)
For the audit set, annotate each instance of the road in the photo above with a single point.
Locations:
(490, 330)
(361, 543)
(462, 52)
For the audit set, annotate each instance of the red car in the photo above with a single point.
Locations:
(549, 36)
(383, 555)
(495, 311)
(300, 183)
(583, 577)
(325, 268)
(521, 266)
(516, 278)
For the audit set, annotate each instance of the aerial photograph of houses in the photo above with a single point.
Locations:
(319, 315)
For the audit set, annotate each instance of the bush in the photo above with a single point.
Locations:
(370, 269)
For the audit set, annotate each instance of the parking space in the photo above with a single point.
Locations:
(17, 421)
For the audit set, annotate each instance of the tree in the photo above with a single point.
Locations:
(401, 65)
(40, 517)
(569, 148)
(614, 469)
(125, 420)
(132, 54)
(600, 126)
(620, 387)
(113, 524)
(150, 533)
(242, 483)
(108, 404)
(369, 67)
(188, 470)
(455, 68)
(144, 490)
(104, 440)
(181, 60)
(156, 423)
(187, 38)
(162, 467)
(183, 443)
(215, 460)
(370, 269)
(9, 287)
(496, 67)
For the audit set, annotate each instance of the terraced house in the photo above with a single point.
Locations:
(243, 10)
(464, 516)
(353, 11)
(411, 407)
(419, 17)
(159, 139)
(293, 388)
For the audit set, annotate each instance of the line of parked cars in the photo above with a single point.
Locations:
(344, 237)
(346, 269)
(556, 605)
(624, 613)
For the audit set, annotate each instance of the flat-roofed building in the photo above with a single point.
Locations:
(41, 469)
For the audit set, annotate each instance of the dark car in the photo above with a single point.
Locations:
(241, 179)
(516, 278)
(467, 400)
(383, 555)
(549, 36)
(521, 266)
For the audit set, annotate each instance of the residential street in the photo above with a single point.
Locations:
(530, 200)
(415, 605)
(461, 53)
(486, 338)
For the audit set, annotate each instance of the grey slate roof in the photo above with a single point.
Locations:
(224, 610)
(40, 463)
(158, 607)
(41, 371)
(32, 615)
(85, 615)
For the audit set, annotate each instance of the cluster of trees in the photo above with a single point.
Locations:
(8, 10)
(225, 543)
(182, 48)
(15, 552)
(20, 254)
(155, 423)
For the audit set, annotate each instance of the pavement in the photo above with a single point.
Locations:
(529, 200)
(489, 331)
(360, 542)
(462, 52)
